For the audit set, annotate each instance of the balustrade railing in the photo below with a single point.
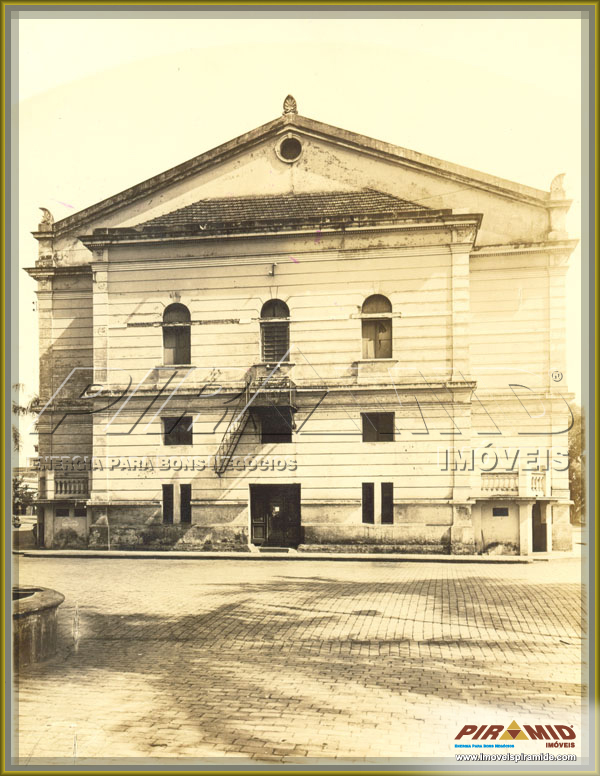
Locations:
(538, 483)
(71, 486)
(500, 482)
(508, 483)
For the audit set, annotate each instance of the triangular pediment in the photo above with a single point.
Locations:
(331, 161)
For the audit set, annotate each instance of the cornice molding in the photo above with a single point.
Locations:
(128, 237)
(563, 246)
(47, 273)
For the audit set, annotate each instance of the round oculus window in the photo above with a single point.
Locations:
(289, 149)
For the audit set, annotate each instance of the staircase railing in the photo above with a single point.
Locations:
(270, 387)
(233, 432)
(259, 390)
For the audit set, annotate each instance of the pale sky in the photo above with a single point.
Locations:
(106, 103)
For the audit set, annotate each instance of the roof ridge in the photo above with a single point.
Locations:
(301, 194)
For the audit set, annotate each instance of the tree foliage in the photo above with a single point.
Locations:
(577, 465)
(21, 410)
(23, 495)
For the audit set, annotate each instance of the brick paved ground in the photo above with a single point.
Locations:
(287, 660)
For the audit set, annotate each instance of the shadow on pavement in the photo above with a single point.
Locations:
(268, 677)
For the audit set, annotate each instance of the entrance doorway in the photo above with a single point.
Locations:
(539, 539)
(275, 515)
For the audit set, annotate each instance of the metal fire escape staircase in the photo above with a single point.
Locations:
(262, 391)
(233, 432)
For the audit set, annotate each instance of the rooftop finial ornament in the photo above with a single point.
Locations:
(557, 187)
(289, 105)
(47, 222)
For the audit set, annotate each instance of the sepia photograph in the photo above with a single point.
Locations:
(299, 315)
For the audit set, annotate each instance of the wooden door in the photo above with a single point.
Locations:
(275, 513)
(539, 539)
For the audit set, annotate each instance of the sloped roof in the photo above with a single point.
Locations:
(277, 208)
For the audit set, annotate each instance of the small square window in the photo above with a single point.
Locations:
(276, 425)
(80, 512)
(378, 426)
(499, 511)
(62, 512)
(178, 431)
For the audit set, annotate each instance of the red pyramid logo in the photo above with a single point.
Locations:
(513, 733)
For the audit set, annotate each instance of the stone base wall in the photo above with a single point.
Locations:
(424, 549)
(413, 537)
(449, 529)
(170, 537)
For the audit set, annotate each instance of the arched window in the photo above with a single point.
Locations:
(377, 327)
(275, 331)
(176, 334)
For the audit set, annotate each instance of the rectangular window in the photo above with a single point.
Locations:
(62, 512)
(368, 502)
(378, 426)
(176, 341)
(276, 425)
(80, 512)
(387, 503)
(499, 511)
(185, 492)
(377, 338)
(170, 346)
(167, 501)
(178, 431)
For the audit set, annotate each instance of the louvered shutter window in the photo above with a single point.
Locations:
(275, 341)
(275, 331)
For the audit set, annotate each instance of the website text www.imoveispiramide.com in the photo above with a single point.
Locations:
(515, 757)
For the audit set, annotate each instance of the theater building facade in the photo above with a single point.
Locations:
(306, 340)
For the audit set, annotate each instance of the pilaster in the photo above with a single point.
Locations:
(460, 304)
(100, 477)
(525, 527)
(562, 532)
(45, 315)
(462, 538)
(557, 320)
(100, 315)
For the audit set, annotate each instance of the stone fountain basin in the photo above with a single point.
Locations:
(34, 623)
